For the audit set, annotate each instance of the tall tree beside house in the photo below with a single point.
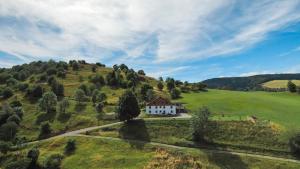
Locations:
(128, 107)
(291, 87)
(199, 123)
(160, 85)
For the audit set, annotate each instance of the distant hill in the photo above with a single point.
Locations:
(278, 84)
(247, 83)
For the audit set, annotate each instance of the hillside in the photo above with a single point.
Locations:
(23, 81)
(279, 84)
(247, 83)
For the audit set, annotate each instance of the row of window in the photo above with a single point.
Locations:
(160, 111)
(162, 107)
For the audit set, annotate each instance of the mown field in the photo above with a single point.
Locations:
(238, 135)
(105, 153)
(275, 84)
(282, 108)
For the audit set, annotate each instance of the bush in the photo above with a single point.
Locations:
(175, 93)
(295, 145)
(19, 164)
(7, 93)
(70, 146)
(15, 103)
(53, 161)
(33, 154)
(4, 147)
(45, 130)
(35, 92)
(22, 86)
(8, 131)
(199, 123)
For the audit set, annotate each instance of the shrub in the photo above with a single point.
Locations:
(8, 131)
(19, 164)
(33, 154)
(175, 93)
(295, 145)
(7, 93)
(199, 123)
(22, 86)
(70, 146)
(45, 130)
(53, 161)
(35, 92)
(14, 118)
(15, 103)
(4, 147)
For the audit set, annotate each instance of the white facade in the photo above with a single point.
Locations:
(161, 110)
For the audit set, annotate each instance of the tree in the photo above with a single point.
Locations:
(291, 86)
(144, 89)
(53, 161)
(128, 107)
(14, 118)
(19, 164)
(199, 123)
(58, 88)
(150, 95)
(70, 146)
(75, 66)
(170, 85)
(94, 68)
(295, 145)
(4, 147)
(160, 85)
(79, 96)
(7, 93)
(63, 105)
(95, 96)
(141, 72)
(8, 131)
(48, 102)
(99, 110)
(175, 93)
(45, 130)
(35, 91)
(33, 154)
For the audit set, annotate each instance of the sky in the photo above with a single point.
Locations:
(189, 40)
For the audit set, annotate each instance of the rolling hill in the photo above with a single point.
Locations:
(247, 83)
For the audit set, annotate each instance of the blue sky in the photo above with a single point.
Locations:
(190, 40)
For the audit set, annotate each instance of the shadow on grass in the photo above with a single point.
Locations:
(227, 161)
(63, 117)
(135, 130)
(45, 117)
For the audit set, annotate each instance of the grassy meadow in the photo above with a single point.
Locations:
(282, 108)
(105, 153)
(275, 84)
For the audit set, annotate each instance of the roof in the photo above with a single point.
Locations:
(159, 102)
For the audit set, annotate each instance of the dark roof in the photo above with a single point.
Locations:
(159, 102)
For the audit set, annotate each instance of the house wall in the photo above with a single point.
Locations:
(169, 109)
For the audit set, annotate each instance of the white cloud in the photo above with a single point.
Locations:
(168, 71)
(94, 29)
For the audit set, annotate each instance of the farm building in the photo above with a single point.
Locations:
(162, 106)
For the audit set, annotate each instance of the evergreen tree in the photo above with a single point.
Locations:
(160, 85)
(128, 107)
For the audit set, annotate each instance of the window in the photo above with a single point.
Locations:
(149, 111)
(171, 106)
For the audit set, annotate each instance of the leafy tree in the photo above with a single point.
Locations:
(7, 93)
(94, 68)
(53, 161)
(45, 130)
(141, 72)
(128, 107)
(35, 91)
(102, 97)
(97, 80)
(79, 96)
(95, 96)
(57, 88)
(23, 86)
(63, 105)
(199, 123)
(150, 95)
(33, 154)
(70, 146)
(75, 66)
(12, 82)
(8, 131)
(99, 110)
(170, 85)
(14, 118)
(51, 71)
(160, 85)
(48, 102)
(144, 89)
(175, 93)
(115, 67)
(291, 86)
(85, 88)
(19, 112)
(4, 147)
(100, 64)
(295, 145)
(123, 67)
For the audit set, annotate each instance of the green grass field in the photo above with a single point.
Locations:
(238, 135)
(275, 84)
(102, 153)
(282, 108)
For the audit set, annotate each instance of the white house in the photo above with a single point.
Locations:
(161, 106)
